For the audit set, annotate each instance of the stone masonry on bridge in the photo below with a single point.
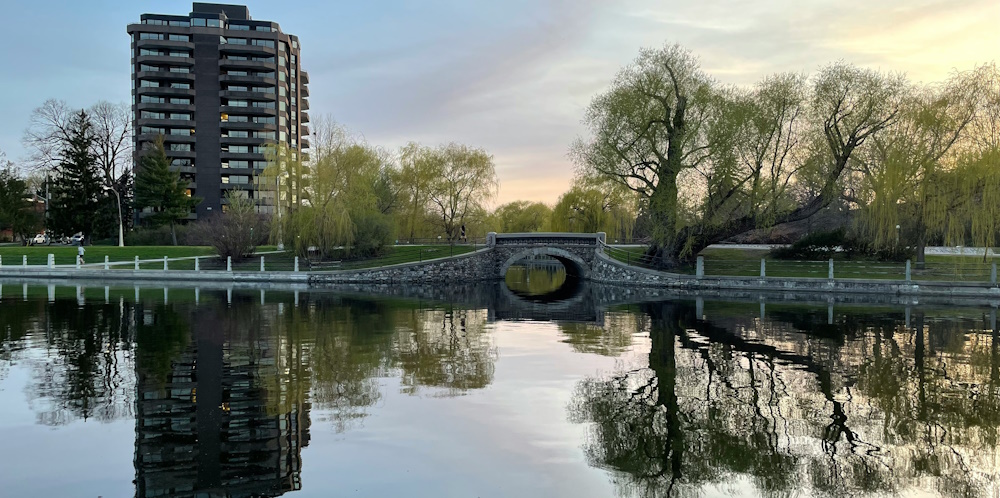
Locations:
(578, 252)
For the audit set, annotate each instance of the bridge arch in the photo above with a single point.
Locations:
(575, 266)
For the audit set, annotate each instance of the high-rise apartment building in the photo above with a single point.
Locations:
(218, 86)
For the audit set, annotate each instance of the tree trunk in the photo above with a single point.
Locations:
(173, 233)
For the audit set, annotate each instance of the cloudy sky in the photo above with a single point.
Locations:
(511, 76)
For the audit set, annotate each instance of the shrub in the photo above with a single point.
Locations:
(814, 246)
(374, 232)
(159, 236)
(235, 233)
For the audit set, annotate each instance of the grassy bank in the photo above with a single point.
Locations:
(746, 263)
(284, 261)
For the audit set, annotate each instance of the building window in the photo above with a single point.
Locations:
(152, 115)
(268, 135)
(239, 27)
(181, 38)
(263, 43)
(149, 99)
(149, 84)
(180, 147)
(236, 134)
(281, 90)
(237, 41)
(199, 22)
(175, 100)
(150, 36)
(175, 69)
(182, 24)
(180, 116)
(181, 86)
(237, 103)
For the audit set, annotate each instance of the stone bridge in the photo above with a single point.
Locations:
(580, 253)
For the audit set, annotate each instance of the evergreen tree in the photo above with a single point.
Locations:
(76, 189)
(162, 189)
(16, 211)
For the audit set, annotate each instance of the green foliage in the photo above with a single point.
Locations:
(522, 216)
(17, 212)
(76, 187)
(161, 189)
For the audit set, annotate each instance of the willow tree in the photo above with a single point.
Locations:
(928, 174)
(454, 180)
(335, 199)
(712, 162)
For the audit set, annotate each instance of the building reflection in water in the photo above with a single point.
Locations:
(209, 421)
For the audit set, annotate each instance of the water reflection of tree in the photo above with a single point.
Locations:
(86, 369)
(16, 321)
(611, 338)
(446, 349)
(840, 417)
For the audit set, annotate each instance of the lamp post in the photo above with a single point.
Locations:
(121, 225)
(897, 235)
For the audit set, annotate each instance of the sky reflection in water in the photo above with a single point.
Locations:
(374, 396)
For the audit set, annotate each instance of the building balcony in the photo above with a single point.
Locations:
(153, 106)
(164, 75)
(232, 48)
(248, 156)
(304, 130)
(231, 125)
(249, 111)
(164, 59)
(303, 142)
(165, 123)
(304, 77)
(236, 79)
(304, 104)
(164, 44)
(245, 141)
(237, 64)
(165, 91)
(267, 97)
(182, 154)
(303, 91)
(177, 139)
(303, 117)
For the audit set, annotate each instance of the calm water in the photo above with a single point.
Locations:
(239, 393)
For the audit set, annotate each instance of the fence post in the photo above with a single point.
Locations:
(763, 265)
(907, 270)
(78, 262)
(137, 263)
(993, 274)
(1, 261)
(24, 261)
(229, 263)
(700, 269)
(262, 263)
(296, 264)
(197, 265)
(164, 263)
(52, 261)
(106, 266)
(831, 269)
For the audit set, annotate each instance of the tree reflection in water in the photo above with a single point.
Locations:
(877, 407)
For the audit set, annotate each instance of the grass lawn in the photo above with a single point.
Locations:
(284, 261)
(397, 255)
(746, 262)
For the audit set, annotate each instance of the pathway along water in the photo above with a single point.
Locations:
(182, 391)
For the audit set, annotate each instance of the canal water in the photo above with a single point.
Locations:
(145, 391)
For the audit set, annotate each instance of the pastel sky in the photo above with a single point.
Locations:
(512, 76)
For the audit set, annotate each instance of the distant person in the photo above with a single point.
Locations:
(463, 234)
(79, 253)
